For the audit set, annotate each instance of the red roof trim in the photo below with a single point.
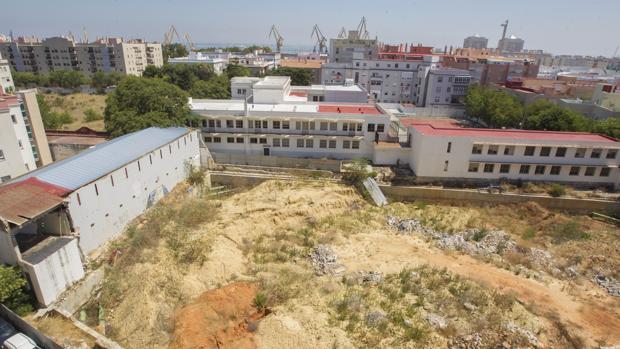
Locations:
(350, 109)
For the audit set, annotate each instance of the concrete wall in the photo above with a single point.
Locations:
(102, 209)
(438, 194)
(277, 161)
(63, 151)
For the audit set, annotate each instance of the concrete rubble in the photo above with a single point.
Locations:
(324, 260)
(610, 285)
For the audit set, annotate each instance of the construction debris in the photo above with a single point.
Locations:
(324, 259)
(375, 192)
(610, 285)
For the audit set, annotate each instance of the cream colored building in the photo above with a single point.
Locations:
(6, 80)
(63, 53)
(607, 96)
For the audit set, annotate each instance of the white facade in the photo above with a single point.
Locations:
(16, 152)
(441, 86)
(6, 80)
(218, 64)
(439, 153)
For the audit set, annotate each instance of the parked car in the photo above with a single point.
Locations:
(6, 331)
(20, 341)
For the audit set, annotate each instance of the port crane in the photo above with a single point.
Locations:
(321, 40)
(276, 35)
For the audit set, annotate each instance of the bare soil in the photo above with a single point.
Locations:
(75, 104)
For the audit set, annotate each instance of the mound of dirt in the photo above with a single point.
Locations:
(218, 319)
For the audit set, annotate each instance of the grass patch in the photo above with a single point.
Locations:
(568, 231)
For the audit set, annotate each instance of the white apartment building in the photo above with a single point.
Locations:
(344, 50)
(6, 79)
(53, 217)
(475, 41)
(443, 152)
(63, 53)
(277, 122)
(218, 64)
(441, 86)
(23, 143)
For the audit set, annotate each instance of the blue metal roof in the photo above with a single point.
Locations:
(76, 171)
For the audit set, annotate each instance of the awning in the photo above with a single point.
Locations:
(29, 199)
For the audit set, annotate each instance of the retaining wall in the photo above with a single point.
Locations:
(439, 194)
(277, 161)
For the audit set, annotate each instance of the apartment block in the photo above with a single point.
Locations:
(493, 69)
(6, 79)
(441, 86)
(475, 41)
(344, 50)
(64, 53)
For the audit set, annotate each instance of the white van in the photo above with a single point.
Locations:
(20, 341)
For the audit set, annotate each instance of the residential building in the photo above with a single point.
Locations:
(53, 217)
(344, 50)
(510, 44)
(475, 41)
(64, 53)
(216, 63)
(441, 86)
(492, 69)
(607, 96)
(446, 152)
(6, 79)
(23, 144)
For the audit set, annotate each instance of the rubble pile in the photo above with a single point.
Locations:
(323, 259)
(436, 321)
(610, 285)
(532, 340)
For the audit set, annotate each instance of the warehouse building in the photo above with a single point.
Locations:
(53, 217)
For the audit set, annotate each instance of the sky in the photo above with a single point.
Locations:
(586, 27)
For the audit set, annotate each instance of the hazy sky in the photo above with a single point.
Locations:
(557, 26)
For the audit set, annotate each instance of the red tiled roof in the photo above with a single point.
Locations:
(350, 109)
(8, 101)
(299, 93)
(28, 199)
(440, 129)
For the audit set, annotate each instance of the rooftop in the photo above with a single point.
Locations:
(443, 129)
(237, 106)
(28, 199)
(8, 101)
(91, 164)
(272, 82)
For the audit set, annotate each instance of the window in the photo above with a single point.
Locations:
(255, 123)
(262, 140)
(545, 151)
(333, 126)
(230, 140)
(473, 167)
(509, 150)
(445, 166)
(276, 125)
(555, 170)
(476, 149)
(286, 125)
(96, 189)
(440, 79)
(323, 126)
(493, 149)
(611, 153)
(323, 143)
(229, 124)
(253, 140)
(560, 152)
(285, 143)
(345, 126)
(449, 147)
(240, 140)
(540, 169)
(371, 127)
(574, 171)
(139, 167)
(355, 144)
(217, 139)
(346, 144)
(488, 168)
(309, 143)
(1, 154)
(14, 119)
(590, 171)
(525, 169)
(605, 172)
(239, 123)
(380, 128)
(112, 180)
(580, 152)
(596, 153)
(300, 143)
(529, 151)
(275, 142)
(504, 168)
(332, 144)
(207, 140)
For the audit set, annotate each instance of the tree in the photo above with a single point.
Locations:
(495, 108)
(609, 126)
(216, 88)
(138, 103)
(545, 115)
(233, 70)
(174, 50)
(13, 290)
(299, 76)
(52, 120)
(24, 79)
(67, 78)
(152, 71)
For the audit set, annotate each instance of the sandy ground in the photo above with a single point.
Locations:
(157, 289)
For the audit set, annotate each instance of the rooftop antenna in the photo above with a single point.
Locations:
(321, 40)
(276, 35)
(362, 31)
(342, 34)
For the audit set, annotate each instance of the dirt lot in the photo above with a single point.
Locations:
(75, 104)
(186, 258)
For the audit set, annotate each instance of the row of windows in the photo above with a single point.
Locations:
(560, 152)
(553, 170)
(299, 125)
(285, 142)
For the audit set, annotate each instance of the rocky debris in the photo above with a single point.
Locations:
(470, 341)
(529, 336)
(363, 277)
(612, 347)
(375, 318)
(437, 321)
(469, 306)
(610, 285)
(324, 261)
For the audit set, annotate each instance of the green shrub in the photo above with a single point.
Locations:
(529, 233)
(568, 231)
(556, 190)
(260, 301)
(92, 115)
(13, 290)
